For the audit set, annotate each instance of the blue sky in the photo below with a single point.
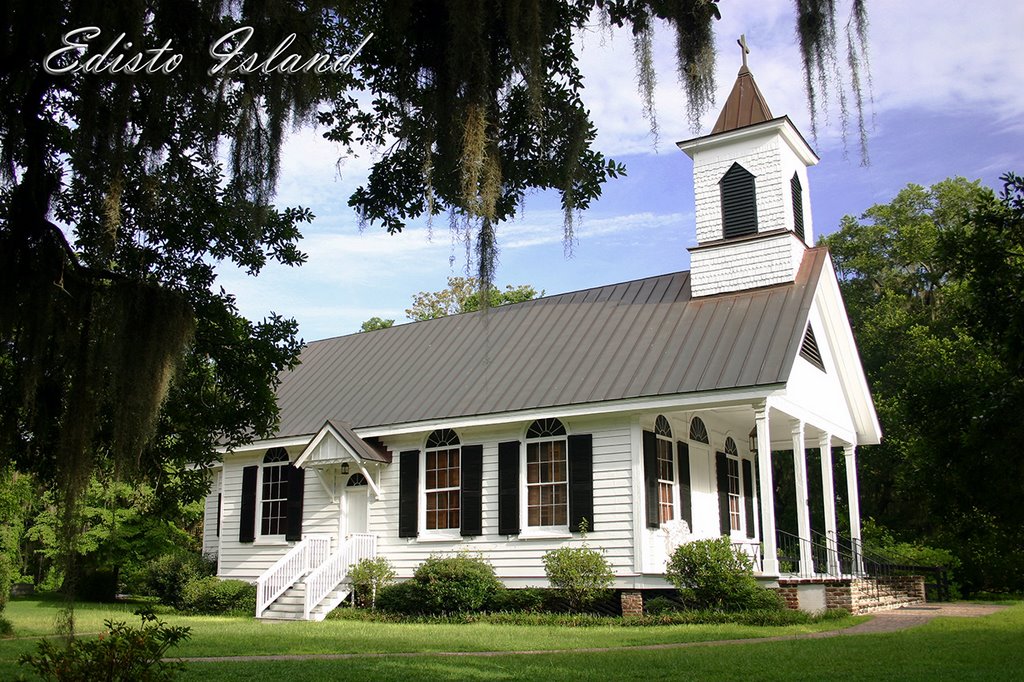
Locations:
(948, 89)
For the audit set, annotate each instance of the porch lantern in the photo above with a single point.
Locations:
(753, 440)
(344, 468)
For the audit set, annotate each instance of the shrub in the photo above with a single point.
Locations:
(526, 600)
(710, 574)
(405, 597)
(124, 653)
(458, 583)
(368, 577)
(580, 574)
(167, 575)
(660, 605)
(211, 595)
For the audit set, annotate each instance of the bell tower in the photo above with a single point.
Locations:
(753, 210)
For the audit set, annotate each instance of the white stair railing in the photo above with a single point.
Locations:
(327, 576)
(310, 552)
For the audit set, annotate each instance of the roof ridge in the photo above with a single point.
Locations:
(505, 306)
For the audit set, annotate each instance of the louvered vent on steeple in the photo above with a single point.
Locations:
(809, 349)
(739, 202)
(798, 206)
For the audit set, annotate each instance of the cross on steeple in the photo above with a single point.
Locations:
(744, 50)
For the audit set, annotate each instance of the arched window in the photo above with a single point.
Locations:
(798, 206)
(274, 492)
(698, 431)
(356, 480)
(666, 469)
(547, 482)
(442, 478)
(735, 501)
(739, 202)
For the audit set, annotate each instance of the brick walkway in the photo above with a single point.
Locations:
(881, 621)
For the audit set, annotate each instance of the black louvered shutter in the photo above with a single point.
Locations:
(748, 496)
(472, 490)
(581, 481)
(508, 488)
(798, 206)
(293, 507)
(219, 495)
(739, 202)
(408, 493)
(685, 495)
(247, 520)
(722, 473)
(650, 445)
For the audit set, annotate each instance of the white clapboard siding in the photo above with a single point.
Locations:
(246, 561)
(519, 560)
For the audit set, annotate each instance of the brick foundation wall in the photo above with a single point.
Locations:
(861, 595)
(789, 595)
(632, 603)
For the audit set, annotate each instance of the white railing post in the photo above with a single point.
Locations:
(330, 573)
(287, 570)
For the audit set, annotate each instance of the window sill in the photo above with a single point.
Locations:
(430, 536)
(553, 534)
(272, 541)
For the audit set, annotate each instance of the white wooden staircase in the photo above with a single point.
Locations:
(308, 582)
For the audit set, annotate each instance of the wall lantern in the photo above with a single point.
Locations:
(344, 468)
(753, 440)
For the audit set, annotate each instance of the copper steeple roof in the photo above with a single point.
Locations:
(745, 105)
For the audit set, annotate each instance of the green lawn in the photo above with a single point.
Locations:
(962, 648)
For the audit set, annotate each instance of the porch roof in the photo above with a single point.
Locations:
(643, 338)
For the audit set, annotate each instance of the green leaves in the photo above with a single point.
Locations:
(933, 284)
(124, 653)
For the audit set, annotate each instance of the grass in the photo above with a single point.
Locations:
(961, 648)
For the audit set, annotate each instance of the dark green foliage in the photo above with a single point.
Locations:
(659, 606)
(933, 282)
(455, 583)
(211, 595)
(167, 575)
(763, 617)
(400, 598)
(880, 542)
(123, 654)
(97, 585)
(580, 574)
(710, 574)
(525, 600)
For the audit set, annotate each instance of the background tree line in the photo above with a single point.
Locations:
(933, 283)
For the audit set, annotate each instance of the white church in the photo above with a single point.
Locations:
(651, 409)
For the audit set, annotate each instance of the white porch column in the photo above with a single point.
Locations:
(850, 451)
(803, 516)
(766, 494)
(828, 492)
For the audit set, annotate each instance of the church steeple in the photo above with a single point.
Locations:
(745, 105)
(750, 184)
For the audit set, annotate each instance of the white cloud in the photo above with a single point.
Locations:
(938, 56)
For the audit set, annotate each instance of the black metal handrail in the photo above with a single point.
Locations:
(844, 556)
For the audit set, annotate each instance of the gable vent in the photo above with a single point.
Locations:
(809, 349)
(739, 202)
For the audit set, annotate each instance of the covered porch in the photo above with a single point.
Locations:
(807, 463)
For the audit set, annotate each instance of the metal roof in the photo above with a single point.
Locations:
(745, 105)
(642, 338)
